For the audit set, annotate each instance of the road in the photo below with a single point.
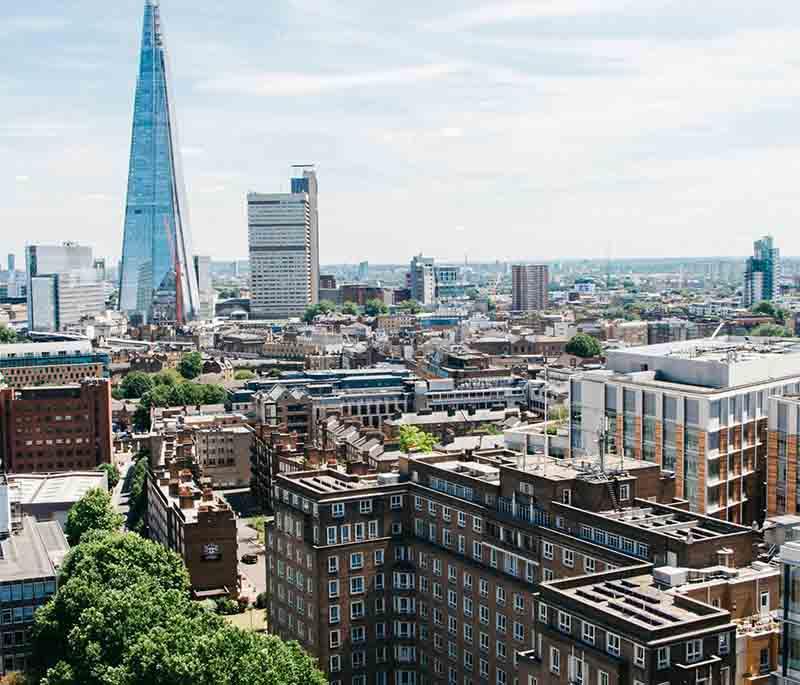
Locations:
(254, 578)
(121, 495)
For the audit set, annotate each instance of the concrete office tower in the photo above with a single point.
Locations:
(157, 281)
(11, 262)
(529, 287)
(363, 271)
(283, 237)
(422, 280)
(762, 273)
(63, 286)
(202, 268)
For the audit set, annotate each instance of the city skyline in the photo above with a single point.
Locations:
(450, 117)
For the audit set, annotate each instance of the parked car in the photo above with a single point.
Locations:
(249, 558)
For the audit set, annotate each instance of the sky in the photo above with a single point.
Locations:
(521, 130)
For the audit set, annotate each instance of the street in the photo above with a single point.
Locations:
(254, 579)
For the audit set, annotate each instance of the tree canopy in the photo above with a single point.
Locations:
(7, 335)
(411, 306)
(412, 439)
(191, 365)
(375, 306)
(243, 375)
(112, 474)
(136, 384)
(583, 345)
(322, 307)
(770, 330)
(350, 308)
(122, 615)
(93, 511)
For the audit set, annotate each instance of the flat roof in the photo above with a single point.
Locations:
(459, 416)
(37, 349)
(730, 350)
(634, 600)
(55, 488)
(33, 551)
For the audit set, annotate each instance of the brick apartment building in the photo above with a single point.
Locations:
(57, 363)
(782, 455)
(617, 627)
(431, 574)
(56, 428)
(184, 515)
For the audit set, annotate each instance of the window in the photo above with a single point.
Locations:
(624, 491)
(335, 663)
(365, 506)
(331, 534)
(638, 656)
(476, 550)
(356, 561)
(519, 631)
(358, 634)
(566, 496)
(547, 550)
(396, 502)
(334, 639)
(333, 588)
(602, 678)
(500, 594)
(417, 502)
(555, 661)
(483, 611)
(467, 581)
(542, 613)
(333, 613)
(357, 609)
(356, 585)
(724, 643)
(612, 644)
(500, 623)
(587, 633)
(662, 657)
(589, 565)
(694, 650)
(564, 622)
(477, 524)
(763, 602)
(345, 533)
(568, 557)
(462, 519)
(484, 587)
(378, 557)
(333, 564)
(337, 510)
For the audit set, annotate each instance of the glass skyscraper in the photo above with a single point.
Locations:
(157, 278)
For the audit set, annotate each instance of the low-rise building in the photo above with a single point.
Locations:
(30, 554)
(50, 496)
(26, 364)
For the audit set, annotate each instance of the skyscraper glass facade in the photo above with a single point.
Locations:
(157, 278)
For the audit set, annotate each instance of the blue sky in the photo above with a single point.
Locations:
(509, 130)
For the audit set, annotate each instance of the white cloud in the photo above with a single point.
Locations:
(451, 132)
(22, 178)
(283, 84)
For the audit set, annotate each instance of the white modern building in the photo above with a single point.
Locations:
(202, 268)
(422, 279)
(64, 285)
(284, 250)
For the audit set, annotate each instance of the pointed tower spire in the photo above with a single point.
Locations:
(156, 281)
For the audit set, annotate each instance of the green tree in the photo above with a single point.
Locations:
(167, 377)
(191, 365)
(411, 306)
(412, 439)
(112, 474)
(326, 307)
(764, 307)
(7, 335)
(93, 511)
(311, 313)
(244, 375)
(770, 330)
(137, 501)
(350, 308)
(136, 384)
(117, 559)
(375, 306)
(214, 394)
(583, 345)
